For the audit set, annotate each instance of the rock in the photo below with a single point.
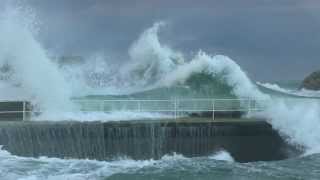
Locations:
(312, 82)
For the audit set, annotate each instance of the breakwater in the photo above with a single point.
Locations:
(245, 140)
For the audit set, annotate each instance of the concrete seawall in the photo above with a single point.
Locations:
(245, 140)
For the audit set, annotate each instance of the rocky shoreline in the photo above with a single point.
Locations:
(312, 82)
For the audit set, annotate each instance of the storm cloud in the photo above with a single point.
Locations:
(270, 39)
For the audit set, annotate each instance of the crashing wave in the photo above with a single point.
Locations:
(291, 92)
(31, 70)
(152, 67)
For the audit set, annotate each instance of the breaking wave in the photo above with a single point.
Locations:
(290, 92)
(153, 65)
(222, 156)
(25, 67)
(14, 167)
(153, 68)
(102, 116)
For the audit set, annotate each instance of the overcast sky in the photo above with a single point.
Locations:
(270, 39)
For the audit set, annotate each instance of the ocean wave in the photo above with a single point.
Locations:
(222, 156)
(293, 92)
(152, 66)
(101, 116)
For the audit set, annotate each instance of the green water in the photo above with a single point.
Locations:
(208, 169)
(171, 167)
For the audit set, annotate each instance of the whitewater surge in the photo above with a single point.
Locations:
(298, 120)
(102, 116)
(169, 167)
(15, 167)
(222, 156)
(293, 92)
(153, 65)
(31, 71)
(215, 66)
(23, 168)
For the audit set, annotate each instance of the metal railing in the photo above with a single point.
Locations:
(173, 106)
(16, 111)
(176, 107)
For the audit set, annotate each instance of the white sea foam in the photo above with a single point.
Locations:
(233, 75)
(15, 167)
(44, 168)
(294, 92)
(299, 120)
(33, 72)
(222, 156)
(151, 64)
(101, 116)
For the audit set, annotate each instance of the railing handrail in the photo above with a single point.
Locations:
(168, 99)
(164, 100)
(176, 105)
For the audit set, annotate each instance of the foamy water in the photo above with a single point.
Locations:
(222, 156)
(152, 64)
(298, 93)
(14, 167)
(33, 72)
(168, 167)
(101, 116)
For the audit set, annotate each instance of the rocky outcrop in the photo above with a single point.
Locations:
(312, 82)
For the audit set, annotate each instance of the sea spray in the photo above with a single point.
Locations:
(153, 64)
(292, 92)
(33, 72)
(152, 58)
(298, 120)
(216, 65)
(222, 156)
(105, 116)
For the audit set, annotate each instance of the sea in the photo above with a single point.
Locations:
(154, 72)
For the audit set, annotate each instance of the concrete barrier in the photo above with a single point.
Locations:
(244, 140)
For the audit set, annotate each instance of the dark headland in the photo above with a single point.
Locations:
(312, 81)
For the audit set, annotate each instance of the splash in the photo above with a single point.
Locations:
(153, 65)
(222, 156)
(299, 120)
(103, 116)
(152, 60)
(293, 92)
(15, 167)
(33, 75)
(218, 65)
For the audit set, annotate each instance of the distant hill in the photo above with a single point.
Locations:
(312, 82)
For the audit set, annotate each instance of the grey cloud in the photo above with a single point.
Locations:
(270, 39)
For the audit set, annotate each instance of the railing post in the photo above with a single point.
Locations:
(23, 111)
(213, 109)
(101, 106)
(175, 108)
(139, 106)
(249, 106)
